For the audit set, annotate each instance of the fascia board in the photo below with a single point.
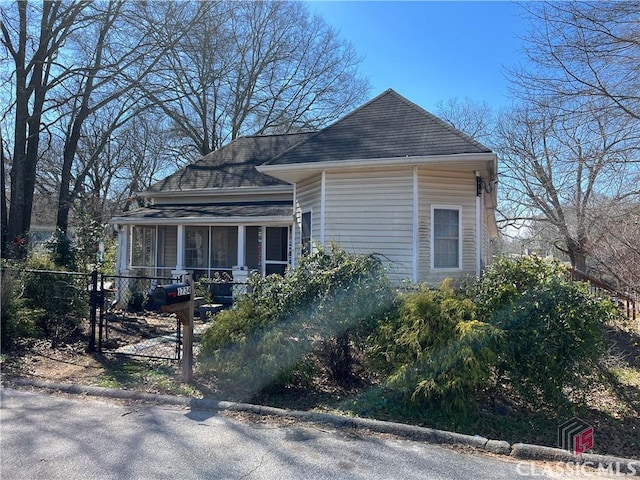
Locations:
(231, 192)
(298, 171)
(202, 221)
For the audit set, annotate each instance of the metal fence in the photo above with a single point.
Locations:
(58, 302)
(125, 320)
(129, 321)
(117, 314)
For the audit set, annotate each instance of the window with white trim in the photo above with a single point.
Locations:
(446, 237)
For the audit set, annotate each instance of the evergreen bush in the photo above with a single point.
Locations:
(16, 320)
(435, 349)
(323, 308)
(57, 301)
(61, 251)
(553, 327)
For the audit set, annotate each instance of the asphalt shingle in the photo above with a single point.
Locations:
(389, 126)
(232, 166)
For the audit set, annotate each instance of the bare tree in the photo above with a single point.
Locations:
(133, 159)
(83, 71)
(3, 199)
(476, 119)
(562, 168)
(571, 155)
(255, 67)
(126, 48)
(616, 254)
(583, 49)
(33, 44)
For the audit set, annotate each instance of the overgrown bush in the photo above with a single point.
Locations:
(435, 349)
(57, 301)
(331, 299)
(17, 320)
(553, 327)
(61, 251)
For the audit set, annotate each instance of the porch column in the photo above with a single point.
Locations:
(241, 245)
(180, 247)
(122, 264)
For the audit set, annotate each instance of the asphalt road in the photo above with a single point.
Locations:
(47, 437)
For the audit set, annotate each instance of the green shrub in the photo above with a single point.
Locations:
(435, 349)
(553, 327)
(17, 321)
(57, 301)
(268, 336)
(507, 278)
(61, 251)
(108, 265)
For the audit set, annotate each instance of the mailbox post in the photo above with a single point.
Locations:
(178, 298)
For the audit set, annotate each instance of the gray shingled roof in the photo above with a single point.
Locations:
(213, 210)
(231, 166)
(389, 126)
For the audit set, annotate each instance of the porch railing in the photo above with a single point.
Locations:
(627, 301)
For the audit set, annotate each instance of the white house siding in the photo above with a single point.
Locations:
(446, 188)
(308, 195)
(372, 212)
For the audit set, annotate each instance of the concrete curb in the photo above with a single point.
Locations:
(520, 451)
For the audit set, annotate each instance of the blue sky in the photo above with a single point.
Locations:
(432, 51)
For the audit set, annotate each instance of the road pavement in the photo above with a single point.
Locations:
(52, 437)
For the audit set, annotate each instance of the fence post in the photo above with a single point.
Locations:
(94, 307)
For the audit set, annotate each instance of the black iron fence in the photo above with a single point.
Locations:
(49, 303)
(125, 320)
(115, 313)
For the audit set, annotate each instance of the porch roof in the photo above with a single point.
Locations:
(227, 212)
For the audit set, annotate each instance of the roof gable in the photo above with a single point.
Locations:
(232, 166)
(389, 126)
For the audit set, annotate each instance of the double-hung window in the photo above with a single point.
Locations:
(446, 237)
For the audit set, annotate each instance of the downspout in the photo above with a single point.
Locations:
(415, 224)
(294, 227)
(479, 213)
(323, 205)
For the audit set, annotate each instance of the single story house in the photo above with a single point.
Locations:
(389, 178)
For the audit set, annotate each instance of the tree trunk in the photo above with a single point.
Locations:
(3, 202)
(577, 254)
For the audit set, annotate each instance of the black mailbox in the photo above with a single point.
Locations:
(171, 293)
